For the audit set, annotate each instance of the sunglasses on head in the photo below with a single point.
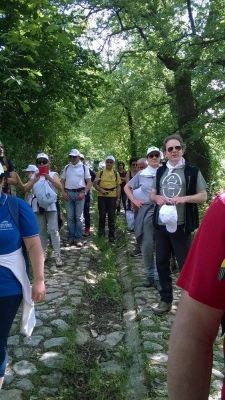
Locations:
(171, 148)
(40, 161)
(152, 155)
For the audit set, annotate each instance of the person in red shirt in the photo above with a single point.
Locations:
(201, 310)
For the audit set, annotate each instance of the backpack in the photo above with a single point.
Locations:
(13, 206)
(44, 194)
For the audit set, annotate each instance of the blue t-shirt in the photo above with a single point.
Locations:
(10, 240)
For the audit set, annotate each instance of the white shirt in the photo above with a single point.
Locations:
(75, 175)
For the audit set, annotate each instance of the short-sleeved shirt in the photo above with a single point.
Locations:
(109, 179)
(10, 240)
(141, 183)
(173, 184)
(75, 175)
(203, 274)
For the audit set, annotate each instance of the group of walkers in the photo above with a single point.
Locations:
(161, 190)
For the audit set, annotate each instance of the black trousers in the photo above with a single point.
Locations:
(107, 206)
(8, 309)
(123, 199)
(87, 218)
(166, 243)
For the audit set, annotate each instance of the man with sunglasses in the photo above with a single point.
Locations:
(107, 183)
(76, 183)
(178, 187)
(138, 190)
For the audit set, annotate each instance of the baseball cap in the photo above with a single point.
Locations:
(74, 153)
(153, 148)
(42, 155)
(31, 168)
(110, 158)
(168, 216)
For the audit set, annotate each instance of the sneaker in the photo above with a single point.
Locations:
(78, 243)
(58, 261)
(162, 308)
(86, 232)
(149, 282)
(136, 253)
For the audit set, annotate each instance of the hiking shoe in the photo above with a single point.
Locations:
(86, 232)
(162, 308)
(58, 261)
(136, 253)
(150, 282)
(78, 243)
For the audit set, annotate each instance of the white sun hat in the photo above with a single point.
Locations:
(168, 216)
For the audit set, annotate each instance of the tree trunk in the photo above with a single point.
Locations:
(187, 114)
(133, 141)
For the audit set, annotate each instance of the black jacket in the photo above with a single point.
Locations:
(191, 209)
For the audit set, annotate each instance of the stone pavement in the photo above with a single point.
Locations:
(144, 335)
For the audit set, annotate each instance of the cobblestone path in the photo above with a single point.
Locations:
(144, 335)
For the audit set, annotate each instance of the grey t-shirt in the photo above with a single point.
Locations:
(173, 184)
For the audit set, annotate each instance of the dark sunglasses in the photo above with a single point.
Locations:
(171, 148)
(73, 156)
(44, 161)
(152, 155)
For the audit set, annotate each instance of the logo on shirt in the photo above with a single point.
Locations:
(171, 185)
(221, 274)
(6, 226)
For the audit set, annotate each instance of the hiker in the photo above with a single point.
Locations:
(10, 174)
(76, 183)
(123, 197)
(87, 217)
(177, 189)
(107, 183)
(14, 282)
(201, 310)
(138, 190)
(46, 214)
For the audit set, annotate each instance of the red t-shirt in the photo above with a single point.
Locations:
(203, 274)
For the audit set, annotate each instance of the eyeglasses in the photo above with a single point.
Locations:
(171, 148)
(134, 164)
(40, 161)
(151, 155)
(109, 162)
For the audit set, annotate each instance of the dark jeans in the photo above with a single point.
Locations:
(87, 218)
(8, 309)
(166, 243)
(107, 206)
(123, 198)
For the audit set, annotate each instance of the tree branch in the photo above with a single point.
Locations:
(191, 19)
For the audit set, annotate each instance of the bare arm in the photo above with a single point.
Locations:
(129, 193)
(194, 198)
(36, 255)
(190, 350)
